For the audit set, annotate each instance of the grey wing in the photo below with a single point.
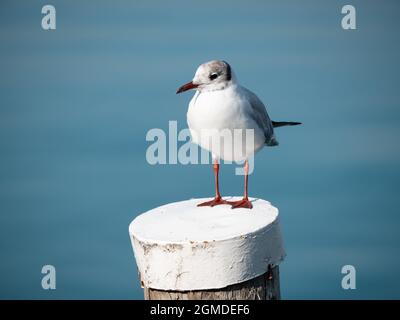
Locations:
(260, 116)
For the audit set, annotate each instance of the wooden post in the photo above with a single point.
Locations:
(189, 252)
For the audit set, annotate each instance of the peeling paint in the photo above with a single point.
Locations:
(192, 248)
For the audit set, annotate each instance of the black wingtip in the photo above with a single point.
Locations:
(277, 124)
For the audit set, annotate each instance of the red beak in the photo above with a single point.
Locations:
(187, 86)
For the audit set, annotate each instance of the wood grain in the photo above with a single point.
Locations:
(264, 287)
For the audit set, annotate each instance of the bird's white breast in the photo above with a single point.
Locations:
(212, 114)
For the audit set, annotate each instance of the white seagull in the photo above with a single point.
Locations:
(219, 104)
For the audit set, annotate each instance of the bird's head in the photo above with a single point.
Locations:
(210, 76)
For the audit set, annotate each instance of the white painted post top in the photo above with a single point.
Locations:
(181, 247)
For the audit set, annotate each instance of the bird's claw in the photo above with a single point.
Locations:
(213, 202)
(244, 203)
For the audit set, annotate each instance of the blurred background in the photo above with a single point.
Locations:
(76, 104)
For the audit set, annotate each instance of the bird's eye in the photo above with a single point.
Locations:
(213, 76)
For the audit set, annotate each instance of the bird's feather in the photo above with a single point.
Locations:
(260, 116)
(277, 124)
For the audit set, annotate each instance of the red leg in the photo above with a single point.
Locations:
(245, 202)
(218, 199)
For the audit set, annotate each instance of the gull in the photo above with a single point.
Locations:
(220, 104)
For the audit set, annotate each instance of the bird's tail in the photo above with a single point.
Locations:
(277, 124)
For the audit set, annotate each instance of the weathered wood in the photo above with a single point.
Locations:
(183, 247)
(264, 287)
(186, 252)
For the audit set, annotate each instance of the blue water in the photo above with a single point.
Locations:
(77, 102)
